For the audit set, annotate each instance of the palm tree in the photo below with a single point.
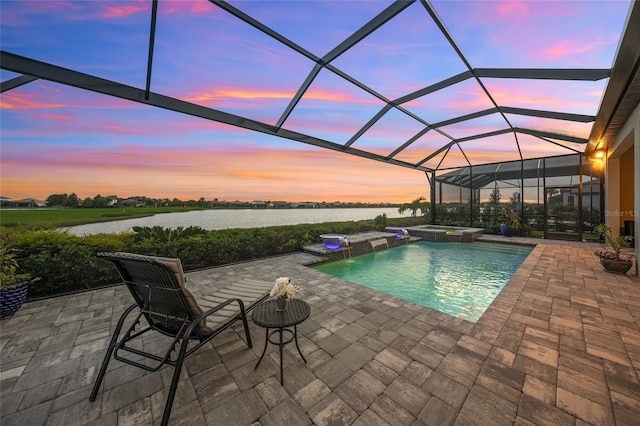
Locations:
(414, 206)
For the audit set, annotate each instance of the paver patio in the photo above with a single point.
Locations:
(559, 345)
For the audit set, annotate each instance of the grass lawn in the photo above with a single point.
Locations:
(57, 217)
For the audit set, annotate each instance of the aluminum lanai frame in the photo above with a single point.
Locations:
(32, 70)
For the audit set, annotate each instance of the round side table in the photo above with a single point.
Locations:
(266, 315)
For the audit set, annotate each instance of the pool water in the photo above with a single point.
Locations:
(459, 279)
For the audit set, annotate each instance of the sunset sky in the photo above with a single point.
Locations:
(58, 139)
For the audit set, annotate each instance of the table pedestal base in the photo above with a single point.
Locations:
(280, 331)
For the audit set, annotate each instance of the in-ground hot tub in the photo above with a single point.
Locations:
(334, 241)
(440, 233)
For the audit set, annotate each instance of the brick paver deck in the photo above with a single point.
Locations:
(560, 345)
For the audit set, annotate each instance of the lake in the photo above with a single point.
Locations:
(237, 218)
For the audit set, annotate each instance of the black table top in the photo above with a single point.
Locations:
(265, 314)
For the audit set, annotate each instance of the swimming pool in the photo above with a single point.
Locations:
(454, 278)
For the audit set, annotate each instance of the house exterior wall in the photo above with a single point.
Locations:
(628, 138)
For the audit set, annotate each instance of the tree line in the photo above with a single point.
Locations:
(99, 201)
(73, 201)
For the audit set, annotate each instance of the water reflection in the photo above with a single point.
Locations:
(454, 278)
(237, 218)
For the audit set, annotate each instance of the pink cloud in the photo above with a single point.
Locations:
(187, 7)
(469, 96)
(511, 13)
(55, 117)
(238, 93)
(45, 95)
(543, 94)
(252, 93)
(574, 46)
(27, 101)
(465, 97)
(536, 33)
(25, 15)
(49, 106)
(513, 9)
(563, 127)
(124, 10)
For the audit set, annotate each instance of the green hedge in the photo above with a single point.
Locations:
(65, 263)
(68, 263)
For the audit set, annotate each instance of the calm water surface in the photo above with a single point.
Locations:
(455, 278)
(237, 218)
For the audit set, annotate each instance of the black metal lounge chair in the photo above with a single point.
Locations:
(157, 285)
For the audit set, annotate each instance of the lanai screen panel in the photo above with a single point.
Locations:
(558, 186)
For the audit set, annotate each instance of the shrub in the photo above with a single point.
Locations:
(381, 222)
(64, 262)
(68, 263)
(10, 276)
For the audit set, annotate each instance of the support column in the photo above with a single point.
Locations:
(432, 196)
(612, 196)
(636, 193)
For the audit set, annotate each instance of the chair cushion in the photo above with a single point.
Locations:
(176, 267)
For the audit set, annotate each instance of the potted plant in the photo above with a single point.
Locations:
(612, 261)
(510, 222)
(13, 286)
(283, 291)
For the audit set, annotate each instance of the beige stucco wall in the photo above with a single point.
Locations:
(622, 179)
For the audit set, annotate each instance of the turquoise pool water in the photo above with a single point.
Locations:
(455, 278)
